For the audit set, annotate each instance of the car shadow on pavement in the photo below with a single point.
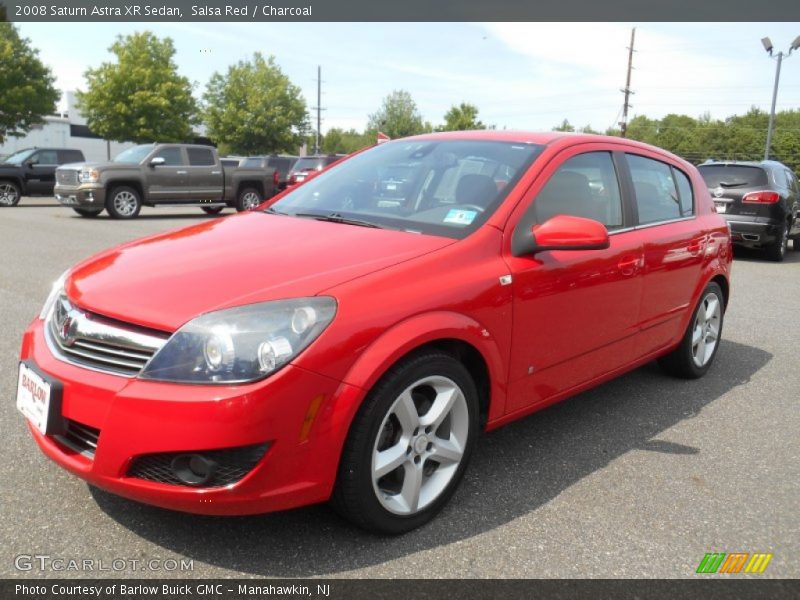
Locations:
(515, 470)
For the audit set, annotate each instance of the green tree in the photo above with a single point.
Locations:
(27, 90)
(397, 117)
(339, 141)
(140, 97)
(255, 109)
(462, 118)
(565, 126)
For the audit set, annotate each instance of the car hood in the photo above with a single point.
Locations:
(165, 280)
(99, 166)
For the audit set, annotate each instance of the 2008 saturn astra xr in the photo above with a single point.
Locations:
(348, 341)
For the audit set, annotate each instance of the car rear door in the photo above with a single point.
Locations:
(674, 246)
(204, 180)
(575, 312)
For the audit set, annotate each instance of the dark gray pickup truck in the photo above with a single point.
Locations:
(162, 175)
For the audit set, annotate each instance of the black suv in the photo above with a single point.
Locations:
(32, 172)
(760, 202)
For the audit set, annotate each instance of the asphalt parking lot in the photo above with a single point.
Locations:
(638, 478)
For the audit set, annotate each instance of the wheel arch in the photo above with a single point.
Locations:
(456, 334)
(132, 183)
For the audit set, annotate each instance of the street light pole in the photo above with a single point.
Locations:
(768, 47)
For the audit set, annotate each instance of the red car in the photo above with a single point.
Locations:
(335, 346)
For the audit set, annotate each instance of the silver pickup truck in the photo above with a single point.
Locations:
(162, 175)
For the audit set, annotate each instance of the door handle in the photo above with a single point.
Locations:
(628, 265)
(181, 172)
(695, 246)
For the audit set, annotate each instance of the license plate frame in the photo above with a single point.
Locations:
(39, 399)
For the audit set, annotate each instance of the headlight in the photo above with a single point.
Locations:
(58, 287)
(89, 176)
(241, 344)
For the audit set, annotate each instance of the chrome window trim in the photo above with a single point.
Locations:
(649, 225)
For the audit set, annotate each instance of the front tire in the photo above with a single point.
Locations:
(124, 203)
(409, 445)
(88, 213)
(212, 210)
(248, 199)
(10, 193)
(693, 357)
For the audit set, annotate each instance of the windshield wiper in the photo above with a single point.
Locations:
(337, 218)
(272, 211)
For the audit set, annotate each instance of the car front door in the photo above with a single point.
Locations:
(575, 312)
(167, 181)
(40, 172)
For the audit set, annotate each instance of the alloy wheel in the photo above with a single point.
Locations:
(250, 200)
(420, 445)
(705, 333)
(125, 203)
(8, 194)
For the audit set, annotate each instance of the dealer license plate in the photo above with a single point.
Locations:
(33, 397)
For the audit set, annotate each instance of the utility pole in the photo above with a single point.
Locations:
(767, 43)
(627, 91)
(319, 109)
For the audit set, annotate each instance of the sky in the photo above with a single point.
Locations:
(527, 76)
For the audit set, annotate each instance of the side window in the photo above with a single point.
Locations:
(200, 157)
(791, 181)
(69, 156)
(584, 186)
(656, 196)
(172, 156)
(685, 191)
(46, 157)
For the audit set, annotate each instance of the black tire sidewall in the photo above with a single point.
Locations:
(212, 210)
(356, 469)
(110, 202)
(88, 214)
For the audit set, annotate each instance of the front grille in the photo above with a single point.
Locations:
(66, 177)
(80, 438)
(92, 341)
(232, 465)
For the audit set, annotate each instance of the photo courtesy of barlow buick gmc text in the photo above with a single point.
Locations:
(364, 379)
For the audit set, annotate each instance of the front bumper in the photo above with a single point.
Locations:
(137, 417)
(86, 195)
(754, 232)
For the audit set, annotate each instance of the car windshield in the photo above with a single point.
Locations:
(134, 155)
(732, 175)
(18, 157)
(449, 187)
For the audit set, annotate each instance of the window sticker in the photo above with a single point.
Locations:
(460, 217)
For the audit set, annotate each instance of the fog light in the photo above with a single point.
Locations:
(194, 469)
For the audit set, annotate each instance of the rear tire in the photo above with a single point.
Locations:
(696, 352)
(89, 213)
(409, 445)
(124, 202)
(248, 199)
(212, 210)
(10, 193)
(777, 252)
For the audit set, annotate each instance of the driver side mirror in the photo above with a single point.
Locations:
(31, 162)
(566, 232)
(157, 161)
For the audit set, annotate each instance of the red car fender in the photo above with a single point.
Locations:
(421, 329)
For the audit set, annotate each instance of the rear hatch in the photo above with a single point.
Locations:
(730, 183)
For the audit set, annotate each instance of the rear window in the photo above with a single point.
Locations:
(70, 156)
(200, 157)
(733, 176)
(252, 163)
(309, 164)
